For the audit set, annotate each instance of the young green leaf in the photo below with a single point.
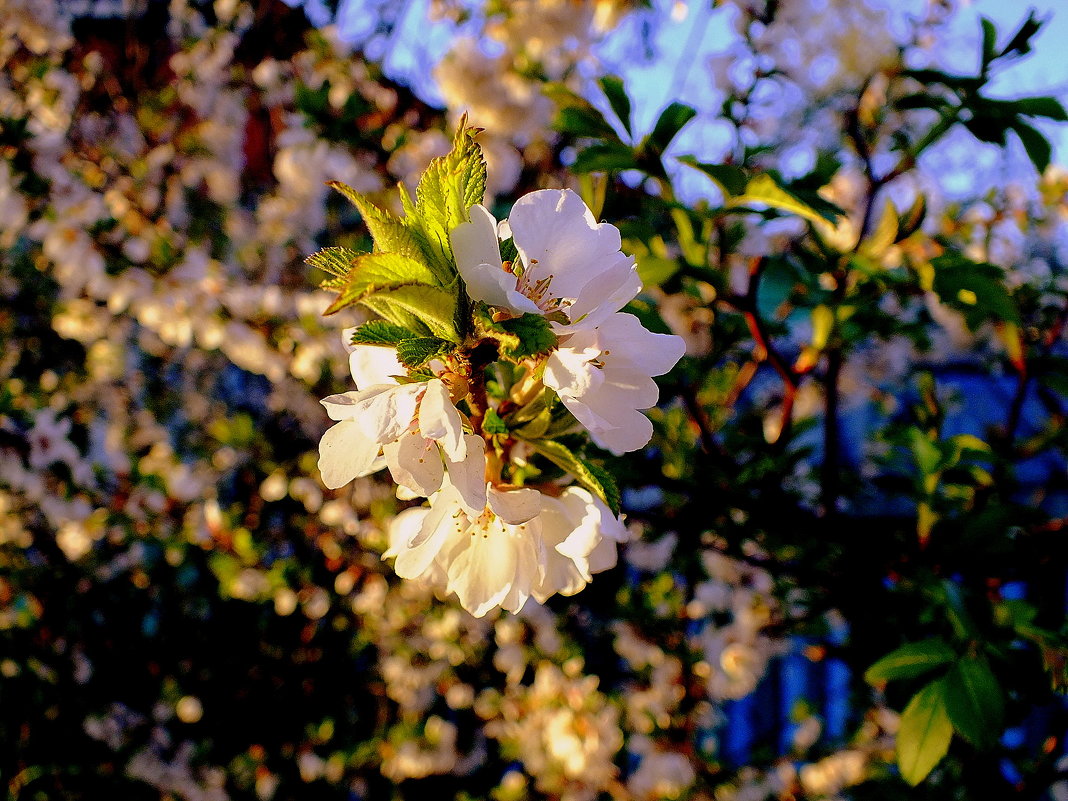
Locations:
(389, 232)
(1044, 106)
(379, 332)
(910, 660)
(493, 424)
(1020, 43)
(335, 260)
(584, 120)
(976, 289)
(990, 38)
(924, 734)
(518, 337)
(418, 307)
(414, 352)
(371, 272)
(1038, 148)
(451, 185)
(605, 157)
(596, 479)
(975, 702)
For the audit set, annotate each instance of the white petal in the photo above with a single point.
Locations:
(386, 412)
(403, 529)
(560, 574)
(482, 575)
(515, 506)
(342, 406)
(478, 258)
(556, 234)
(570, 371)
(439, 420)
(468, 475)
(345, 453)
(476, 242)
(374, 364)
(635, 435)
(599, 299)
(630, 344)
(417, 554)
(414, 462)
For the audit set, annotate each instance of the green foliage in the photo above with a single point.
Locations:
(910, 660)
(975, 702)
(593, 477)
(417, 307)
(390, 233)
(517, 338)
(451, 185)
(924, 734)
(415, 352)
(337, 261)
(975, 289)
(380, 332)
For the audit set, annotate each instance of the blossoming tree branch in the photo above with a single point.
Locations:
(497, 349)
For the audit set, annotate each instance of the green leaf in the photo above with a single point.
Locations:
(975, 702)
(910, 660)
(611, 496)
(584, 120)
(596, 479)
(1037, 146)
(336, 260)
(613, 89)
(764, 189)
(924, 734)
(373, 271)
(974, 288)
(1020, 43)
(925, 451)
(990, 39)
(1044, 106)
(920, 100)
(671, 121)
(605, 157)
(414, 352)
(390, 233)
(654, 270)
(451, 185)
(517, 337)
(417, 307)
(493, 424)
(379, 332)
(727, 177)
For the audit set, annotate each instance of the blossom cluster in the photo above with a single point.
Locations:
(490, 535)
(160, 424)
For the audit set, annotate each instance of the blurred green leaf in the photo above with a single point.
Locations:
(727, 177)
(1037, 146)
(671, 121)
(605, 157)
(910, 660)
(975, 702)
(613, 89)
(924, 734)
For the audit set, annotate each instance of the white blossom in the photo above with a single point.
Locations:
(603, 376)
(519, 544)
(568, 262)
